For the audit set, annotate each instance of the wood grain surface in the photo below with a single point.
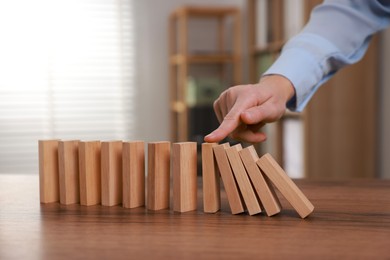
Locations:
(210, 180)
(111, 173)
(90, 172)
(184, 186)
(68, 162)
(158, 175)
(244, 184)
(48, 171)
(262, 185)
(285, 185)
(133, 174)
(229, 183)
(351, 221)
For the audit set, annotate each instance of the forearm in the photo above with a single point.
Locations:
(337, 34)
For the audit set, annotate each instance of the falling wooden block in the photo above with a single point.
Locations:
(232, 193)
(133, 159)
(90, 173)
(68, 161)
(49, 190)
(285, 185)
(111, 161)
(158, 175)
(184, 170)
(242, 179)
(210, 177)
(264, 190)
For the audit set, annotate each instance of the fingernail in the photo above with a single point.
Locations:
(209, 135)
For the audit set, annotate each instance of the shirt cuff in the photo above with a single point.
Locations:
(303, 72)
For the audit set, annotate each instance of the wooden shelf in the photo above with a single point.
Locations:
(206, 58)
(200, 11)
(179, 107)
(181, 58)
(292, 115)
(272, 47)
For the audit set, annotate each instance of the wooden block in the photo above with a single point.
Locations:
(242, 179)
(184, 170)
(90, 173)
(233, 195)
(68, 161)
(264, 190)
(111, 161)
(210, 178)
(285, 185)
(49, 188)
(133, 159)
(158, 175)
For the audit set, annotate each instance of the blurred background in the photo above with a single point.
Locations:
(150, 70)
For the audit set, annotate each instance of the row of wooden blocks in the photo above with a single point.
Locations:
(248, 181)
(113, 173)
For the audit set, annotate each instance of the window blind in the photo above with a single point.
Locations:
(66, 72)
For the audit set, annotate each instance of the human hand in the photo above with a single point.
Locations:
(242, 110)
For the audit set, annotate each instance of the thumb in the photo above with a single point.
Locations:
(228, 125)
(256, 115)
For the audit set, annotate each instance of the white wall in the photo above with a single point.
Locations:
(152, 63)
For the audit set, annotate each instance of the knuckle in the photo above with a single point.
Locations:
(216, 105)
(230, 94)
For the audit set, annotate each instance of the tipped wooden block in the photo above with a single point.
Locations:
(264, 190)
(184, 164)
(285, 185)
(133, 159)
(68, 161)
(242, 179)
(158, 175)
(233, 195)
(111, 182)
(210, 177)
(49, 187)
(90, 173)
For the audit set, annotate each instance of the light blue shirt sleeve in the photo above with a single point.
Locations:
(337, 34)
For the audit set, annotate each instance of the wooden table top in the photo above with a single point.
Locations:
(351, 220)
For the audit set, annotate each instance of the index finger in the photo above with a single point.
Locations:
(226, 127)
(229, 123)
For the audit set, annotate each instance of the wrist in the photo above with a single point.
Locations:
(285, 86)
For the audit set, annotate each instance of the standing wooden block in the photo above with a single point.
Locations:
(242, 179)
(133, 158)
(264, 190)
(233, 195)
(210, 177)
(158, 175)
(111, 182)
(49, 188)
(90, 174)
(285, 185)
(68, 161)
(184, 164)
